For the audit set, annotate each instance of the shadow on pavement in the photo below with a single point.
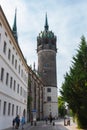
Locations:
(61, 127)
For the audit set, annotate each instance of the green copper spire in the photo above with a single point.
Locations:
(46, 24)
(15, 27)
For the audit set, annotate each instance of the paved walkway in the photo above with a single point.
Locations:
(27, 125)
(72, 126)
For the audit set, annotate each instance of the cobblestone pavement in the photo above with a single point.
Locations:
(41, 125)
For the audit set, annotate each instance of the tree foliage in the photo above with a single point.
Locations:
(61, 107)
(74, 88)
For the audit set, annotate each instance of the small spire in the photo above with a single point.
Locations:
(46, 23)
(15, 27)
(34, 66)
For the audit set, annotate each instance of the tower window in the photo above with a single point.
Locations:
(48, 89)
(46, 65)
(49, 99)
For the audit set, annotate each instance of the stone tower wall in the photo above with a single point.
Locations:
(47, 67)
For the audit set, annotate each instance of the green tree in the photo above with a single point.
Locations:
(74, 88)
(61, 107)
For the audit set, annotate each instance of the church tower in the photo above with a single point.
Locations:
(46, 50)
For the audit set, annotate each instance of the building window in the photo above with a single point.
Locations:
(12, 59)
(21, 73)
(4, 47)
(12, 109)
(16, 110)
(25, 94)
(0, 37)
(21, 91)
(4, 108)
(18, 88)
(11, 80)
(49, 99)
(14, 85)
(10, 41)
(19, 110)
(48, 89)
(7, 78)
(15, 64)
(19, 69)
(0, 24)
(9, 108)
(9, 54)
(2, 74)
(0, 106)
(5, 34)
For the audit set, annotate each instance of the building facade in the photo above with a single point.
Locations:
(46, 49)
(13, 75)
(35, 86)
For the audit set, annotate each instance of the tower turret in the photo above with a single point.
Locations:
(46, 49)
(46, 38)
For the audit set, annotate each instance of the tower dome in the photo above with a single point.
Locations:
(46, 38)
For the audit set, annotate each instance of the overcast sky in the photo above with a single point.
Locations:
(66, 18)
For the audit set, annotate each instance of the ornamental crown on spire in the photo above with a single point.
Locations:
(46, 38)
(46, 32)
